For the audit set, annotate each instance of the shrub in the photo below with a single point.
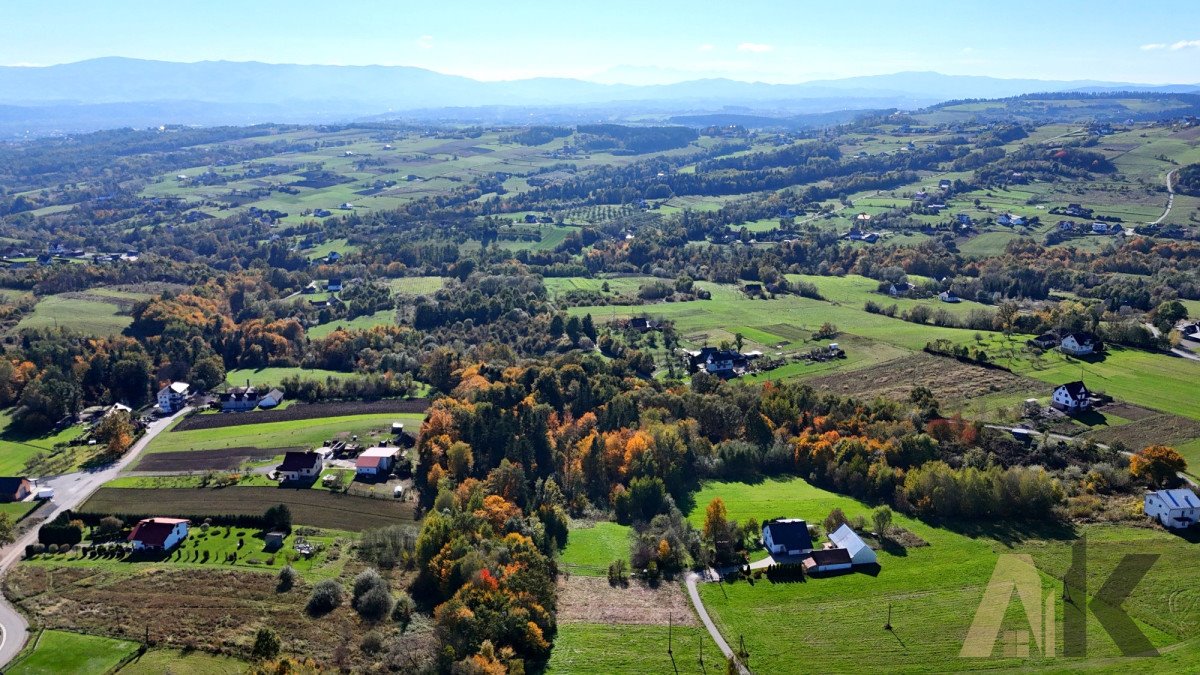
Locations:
(326, 596)
(402, 611)
(372, 642)
(374, 605)
(52, 548)
(287, 579)
(368, 580)
(266, 644)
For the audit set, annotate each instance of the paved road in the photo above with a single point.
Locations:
(1180, 351)
(70, 490)
(692, 579)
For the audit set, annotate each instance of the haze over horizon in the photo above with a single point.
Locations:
(627, 43)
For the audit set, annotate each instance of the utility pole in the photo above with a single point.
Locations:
(670, 629)
(888, 625)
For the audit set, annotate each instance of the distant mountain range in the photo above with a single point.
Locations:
(109, 92)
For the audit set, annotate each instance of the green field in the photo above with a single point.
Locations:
(413, 286)
(590, 549)
(213, 548)
(1148, 379)
(16, 449)
(165, 661)
(933, 590)
(600, 649)
(308, 433)
(273, 376)
(384, 317)
(59, 652)
(85, 316)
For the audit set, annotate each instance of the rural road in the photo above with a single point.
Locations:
(691, 580)
(70, 490)
(1170, 198)
(1177, 351)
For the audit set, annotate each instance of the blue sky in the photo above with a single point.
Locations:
(1152, 41)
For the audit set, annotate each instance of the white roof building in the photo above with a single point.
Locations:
(860, 553)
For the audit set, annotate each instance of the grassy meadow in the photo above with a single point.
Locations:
(589, 550)
(933, 590)
(90, 317)
(306, 433)
(56, 652)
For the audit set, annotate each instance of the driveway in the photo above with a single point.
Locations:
(691, 580)
(70, 490)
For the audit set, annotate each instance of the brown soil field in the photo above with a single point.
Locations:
(213, 610)
(1128, 411)
(224, 459)
(1157, 429)
(317, 508)
(303, 411)
(592, 600)
(948, 379)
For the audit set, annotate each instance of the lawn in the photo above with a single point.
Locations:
(305, 433)
(59, 651)
(590, 549)
(600, 649)
(17, 449)
(85, 316)
(384, 317)
(162, 661)
(223, 547)
(1147, 379)
(17, 510)
(270, 377)
(932, 590)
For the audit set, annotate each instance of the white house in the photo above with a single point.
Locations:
(1078, 344)
(300, 465)
(860, 553)
(158, 534)
(238, 399)
(171, 397)
(375, 462)
(1071, 397)
(787, 536)
(948, 296)
(828, 560)
(1176, 509)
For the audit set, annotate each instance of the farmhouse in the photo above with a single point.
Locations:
(722, 362)
(1176, 509)
(333, 257)
(846, 539)
(948, 296)
(271, 399)
(1071, 397)
(643, 324)
(237, 399)
(828, 560)
(14, 488)
(171, 397)
(334, 285)
(944, 184)
(1079, 344)
(897, 290)
(787, 536)
(311, 288)
(375, 462)
(158, 534)
(300, 465)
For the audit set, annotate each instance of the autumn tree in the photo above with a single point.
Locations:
(116, 431)
(1157, 465)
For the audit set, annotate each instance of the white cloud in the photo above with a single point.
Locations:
(705, 48)
(425, 42)
(1176, 46)
(756, 47)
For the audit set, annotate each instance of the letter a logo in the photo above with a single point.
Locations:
(1013, 572)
